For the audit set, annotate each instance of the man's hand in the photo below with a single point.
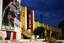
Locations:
(11, 5)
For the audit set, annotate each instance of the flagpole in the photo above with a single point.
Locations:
(1, 1)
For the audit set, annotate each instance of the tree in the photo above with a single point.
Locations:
(61, 25)
(39, 31)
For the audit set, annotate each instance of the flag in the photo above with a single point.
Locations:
(3, 34)
(8, 35)
(24, 17)
(33, 19)
(30, 19)
(14, 37)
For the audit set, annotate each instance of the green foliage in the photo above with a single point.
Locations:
(39, 30)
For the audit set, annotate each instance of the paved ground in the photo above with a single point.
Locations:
(32, 41)
(28, 41)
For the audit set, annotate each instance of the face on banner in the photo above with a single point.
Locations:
(10, 15)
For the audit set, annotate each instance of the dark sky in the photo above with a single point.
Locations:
(51, 10)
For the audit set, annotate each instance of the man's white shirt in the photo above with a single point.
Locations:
(17, 27)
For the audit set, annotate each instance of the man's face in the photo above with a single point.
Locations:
(10, 18)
